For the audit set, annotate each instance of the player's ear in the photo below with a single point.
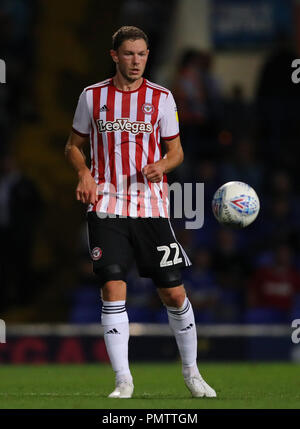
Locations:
(114, 55)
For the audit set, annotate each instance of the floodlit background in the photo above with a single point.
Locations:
(228, 63)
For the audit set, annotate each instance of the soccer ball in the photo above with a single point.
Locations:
(235, 204)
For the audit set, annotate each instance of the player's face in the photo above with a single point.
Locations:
(131, 58)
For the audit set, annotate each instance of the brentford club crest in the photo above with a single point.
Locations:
(96, 253)
(148, 108)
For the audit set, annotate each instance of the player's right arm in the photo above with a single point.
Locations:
(86, 190)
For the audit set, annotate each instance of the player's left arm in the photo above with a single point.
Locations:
(173, 158)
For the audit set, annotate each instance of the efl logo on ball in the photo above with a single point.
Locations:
(235, 204)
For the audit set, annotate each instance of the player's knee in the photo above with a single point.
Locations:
(111, 273)
(173, 297)
(167, 278)
(112, 281)
(114, 290)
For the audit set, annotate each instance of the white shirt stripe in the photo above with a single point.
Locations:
(132, 150)
(146, 138)
(118, 154)
(105, 199)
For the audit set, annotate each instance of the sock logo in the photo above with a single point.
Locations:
(187, 328)
(113, 331)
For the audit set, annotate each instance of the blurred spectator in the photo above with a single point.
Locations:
(278, 102)
(281, 184)
(231, 269)
(189, 89)
(238, 116)
(202, 288)
(20, 212)
(243, 165)
(207, 172)
(198, 98)
(227, 259)
(281, 222)
(85, 298)
(272, 288)
(17, 99)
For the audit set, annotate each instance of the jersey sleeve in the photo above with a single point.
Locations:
(82, 121)
(169, 123)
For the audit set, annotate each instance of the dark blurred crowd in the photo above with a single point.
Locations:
(17, 50)
(20, 201)
(238, 276)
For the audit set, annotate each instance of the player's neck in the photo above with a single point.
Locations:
(123, 84)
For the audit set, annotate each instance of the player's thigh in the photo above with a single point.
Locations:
(110, 247)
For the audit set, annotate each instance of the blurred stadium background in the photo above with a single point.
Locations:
(228, 63)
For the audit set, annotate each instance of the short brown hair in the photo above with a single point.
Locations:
(128, 33)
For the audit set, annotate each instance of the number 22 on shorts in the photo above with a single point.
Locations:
(165, 261)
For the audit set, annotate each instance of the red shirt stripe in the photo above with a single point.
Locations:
(125, 154)
(111, 150)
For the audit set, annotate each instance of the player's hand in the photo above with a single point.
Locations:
(86, 191)
(154, 172)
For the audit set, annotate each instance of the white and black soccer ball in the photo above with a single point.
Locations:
(235, 204)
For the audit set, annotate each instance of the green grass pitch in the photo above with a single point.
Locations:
(157, 386)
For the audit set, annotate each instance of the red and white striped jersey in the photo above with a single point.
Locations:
(125, 128)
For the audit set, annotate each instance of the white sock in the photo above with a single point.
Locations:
(114, 320)
(182, 323)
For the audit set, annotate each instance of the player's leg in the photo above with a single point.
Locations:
(111, 253)
(161, 257)
(182, 322)
(114, 320)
